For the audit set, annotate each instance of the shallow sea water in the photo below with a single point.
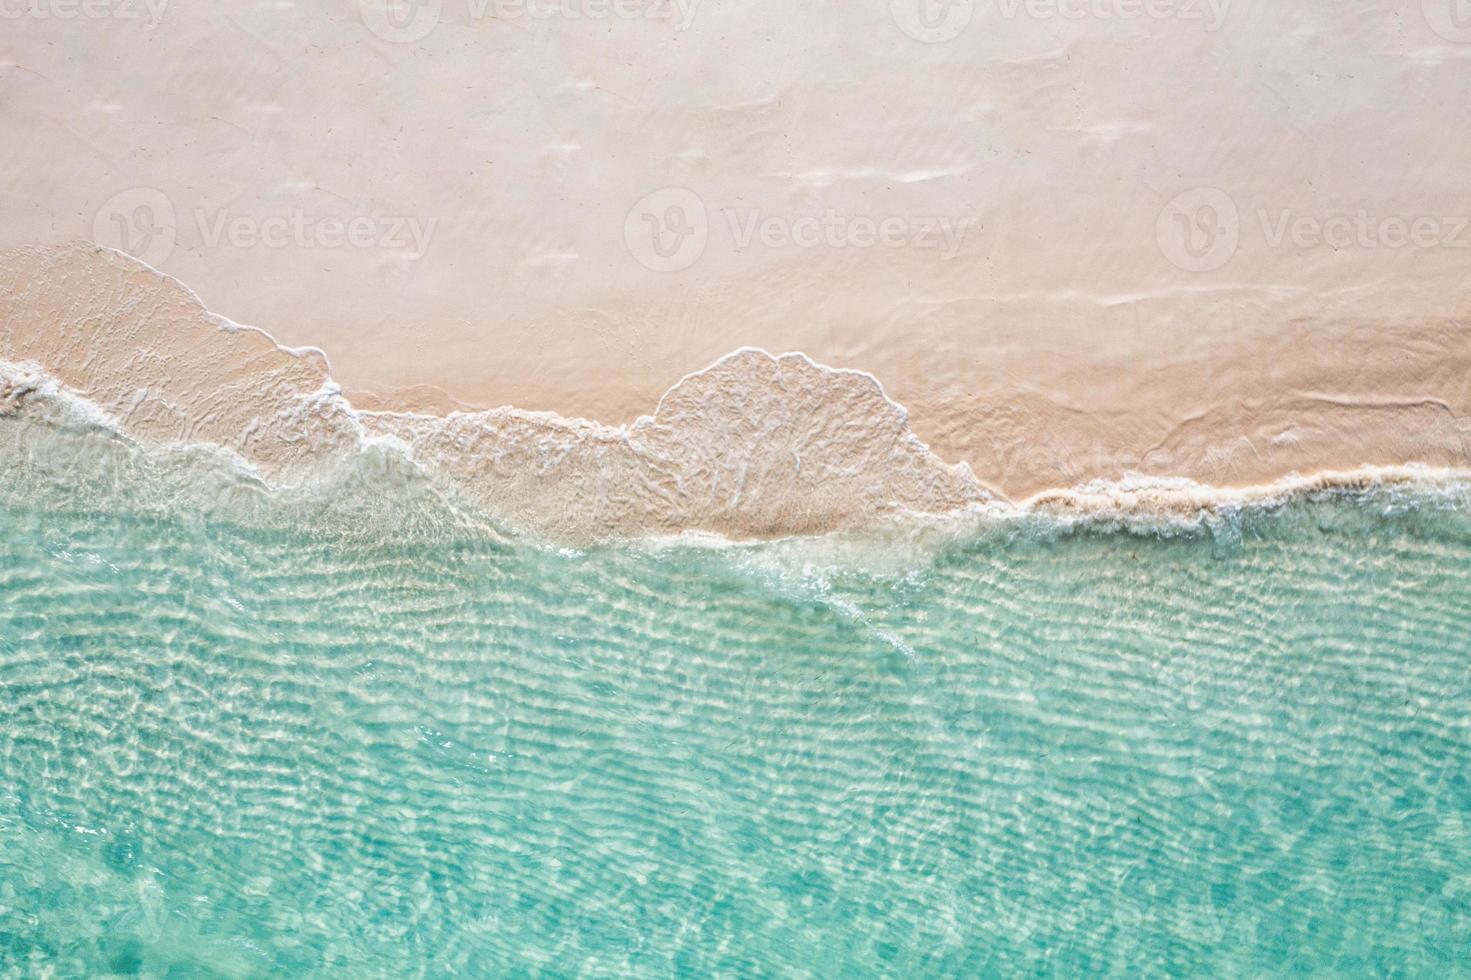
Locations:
(384, 740)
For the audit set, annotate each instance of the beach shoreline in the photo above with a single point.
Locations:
(760, 444)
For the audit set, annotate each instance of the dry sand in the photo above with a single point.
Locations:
(994, 225)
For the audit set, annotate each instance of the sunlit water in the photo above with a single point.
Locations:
(288, 743)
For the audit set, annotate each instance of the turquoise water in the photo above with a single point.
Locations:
(270, 739)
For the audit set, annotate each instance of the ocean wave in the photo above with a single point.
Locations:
(125, 360)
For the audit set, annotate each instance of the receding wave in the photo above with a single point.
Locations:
(379, 740)
(289, 692)
(755, 446)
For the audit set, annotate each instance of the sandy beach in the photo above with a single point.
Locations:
(754, 445)
(647, 488)
(1250, 262)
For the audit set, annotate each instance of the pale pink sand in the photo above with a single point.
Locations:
(755, 445)
(1229, 243)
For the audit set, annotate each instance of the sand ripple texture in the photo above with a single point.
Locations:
(755, 445)
(271, 746)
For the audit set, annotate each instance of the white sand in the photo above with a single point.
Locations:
(988, 224)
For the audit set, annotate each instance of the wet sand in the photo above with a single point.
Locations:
(1224, 243)
(755, 444)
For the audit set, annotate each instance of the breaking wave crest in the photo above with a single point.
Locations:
(110, 367)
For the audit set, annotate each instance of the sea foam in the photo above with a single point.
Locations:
(756, 445)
